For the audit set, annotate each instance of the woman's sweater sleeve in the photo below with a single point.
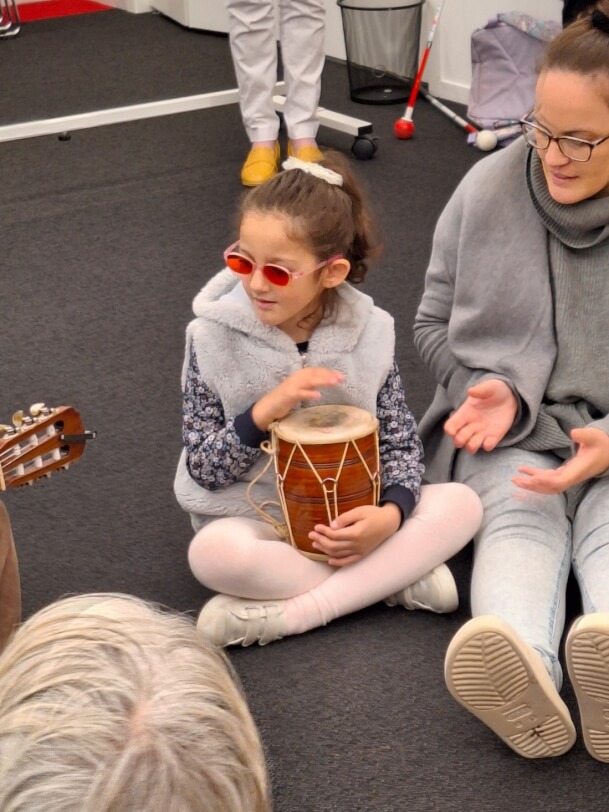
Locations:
(431, 325)
(432, 321)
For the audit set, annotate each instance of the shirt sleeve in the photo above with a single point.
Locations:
(401, 450)
(216, 455)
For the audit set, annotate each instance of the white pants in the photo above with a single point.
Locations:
(254, 52)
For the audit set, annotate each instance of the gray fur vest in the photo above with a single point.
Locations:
(241, 360)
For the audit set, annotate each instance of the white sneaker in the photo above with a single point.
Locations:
(587, 653)
(229, 621)
(503, 681)
(436, 592)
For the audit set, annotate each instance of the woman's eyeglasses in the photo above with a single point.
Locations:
(276, 274)
(576, 149)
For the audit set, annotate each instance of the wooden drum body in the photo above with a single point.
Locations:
(326, 463)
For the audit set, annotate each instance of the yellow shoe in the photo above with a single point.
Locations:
(260, 165)
(311, 154)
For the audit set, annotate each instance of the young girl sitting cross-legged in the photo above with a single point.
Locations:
(280, 328)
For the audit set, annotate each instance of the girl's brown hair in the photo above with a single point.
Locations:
(325, 218)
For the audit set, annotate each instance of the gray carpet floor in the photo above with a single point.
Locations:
(106, 238)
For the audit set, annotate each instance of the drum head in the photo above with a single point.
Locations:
(331, 423)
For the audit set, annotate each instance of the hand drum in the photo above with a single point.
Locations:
(326, 463)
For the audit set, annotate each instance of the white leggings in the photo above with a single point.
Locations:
(239, 556)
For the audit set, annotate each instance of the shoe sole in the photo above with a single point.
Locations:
(587, 653)
(501, 680)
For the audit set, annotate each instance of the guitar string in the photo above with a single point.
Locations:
(18, 449)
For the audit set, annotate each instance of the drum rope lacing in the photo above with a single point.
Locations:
(283, 529)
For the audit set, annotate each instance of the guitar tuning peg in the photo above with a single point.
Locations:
(4, 429)
(36, 409)
(18, 418)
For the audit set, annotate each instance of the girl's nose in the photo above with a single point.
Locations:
(258, 280)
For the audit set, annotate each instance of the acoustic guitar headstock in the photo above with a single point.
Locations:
(40, 442)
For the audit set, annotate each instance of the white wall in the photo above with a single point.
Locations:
(449, 68)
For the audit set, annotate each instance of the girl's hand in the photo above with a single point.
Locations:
(302, 385)
(356, 533)
(484, 417)
(590, 460)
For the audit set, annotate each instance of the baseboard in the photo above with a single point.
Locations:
(134, 6)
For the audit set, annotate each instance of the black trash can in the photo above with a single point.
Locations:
(382, 45)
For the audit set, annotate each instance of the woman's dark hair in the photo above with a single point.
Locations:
(572, 9)
(583, 46)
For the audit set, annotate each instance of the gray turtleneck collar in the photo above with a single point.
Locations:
(578, 225)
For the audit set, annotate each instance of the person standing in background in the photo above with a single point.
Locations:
(254, 52)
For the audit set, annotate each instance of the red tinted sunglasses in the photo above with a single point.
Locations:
(276, 274)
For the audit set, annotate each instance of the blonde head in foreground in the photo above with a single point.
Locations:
(110, 703)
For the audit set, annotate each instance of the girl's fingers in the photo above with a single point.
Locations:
(343, 562)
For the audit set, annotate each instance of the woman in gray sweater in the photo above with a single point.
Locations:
(513, 326)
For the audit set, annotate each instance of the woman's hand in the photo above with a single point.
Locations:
(302, 385)
(484, 417)
(356, 533)
(590, 460)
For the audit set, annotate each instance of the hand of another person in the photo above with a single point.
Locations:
(590, 460)
(356, 533)
(302, 385)
(484, 417)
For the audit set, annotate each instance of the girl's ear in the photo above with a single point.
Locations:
(335, 273)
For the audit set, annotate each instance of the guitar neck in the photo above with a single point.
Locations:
(39, 444)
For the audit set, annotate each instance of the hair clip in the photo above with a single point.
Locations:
(321, 172)
(600, 21)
